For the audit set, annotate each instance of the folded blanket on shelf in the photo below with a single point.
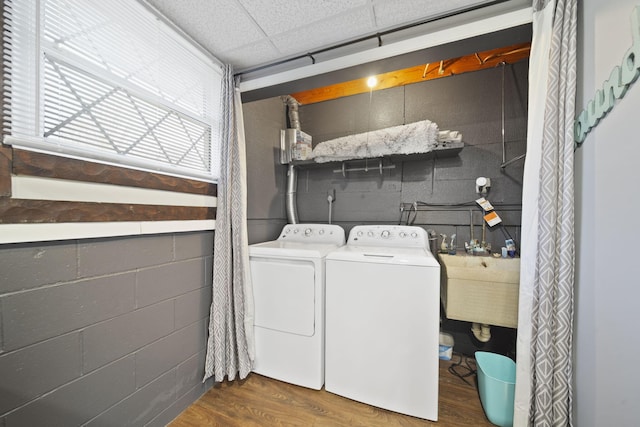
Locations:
(412, 138)
(449, 136)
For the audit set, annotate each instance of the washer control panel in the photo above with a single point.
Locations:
(313, 233)
(398, 236)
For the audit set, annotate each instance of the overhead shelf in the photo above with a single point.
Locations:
(441, 150)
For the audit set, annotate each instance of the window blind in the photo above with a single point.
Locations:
(109, 81)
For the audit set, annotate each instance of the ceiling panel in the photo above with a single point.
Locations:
(390, 14)
(278, 16)
(250, 33)
(332, 31)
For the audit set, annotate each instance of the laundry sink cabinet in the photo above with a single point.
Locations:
(480, 289)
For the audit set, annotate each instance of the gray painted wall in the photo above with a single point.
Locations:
(470, 103)
(266, 178)
(606, 291)
(103, 331)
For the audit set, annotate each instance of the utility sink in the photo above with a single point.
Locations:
(480, 289)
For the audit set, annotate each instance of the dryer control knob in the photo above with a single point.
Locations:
(295, 231)
(307, 232)
(403, 234)
(414, 234)
(370, 234)
(360, 233)
(321, 232)
(385, 234)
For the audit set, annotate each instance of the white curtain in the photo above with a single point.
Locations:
(230, 346)
(545, 325)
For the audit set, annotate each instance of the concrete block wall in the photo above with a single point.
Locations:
(103, 332)
(470, 103)
(266, 178)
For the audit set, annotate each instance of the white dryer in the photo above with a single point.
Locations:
(382, 321)
(288, 276)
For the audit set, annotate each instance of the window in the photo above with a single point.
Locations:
(108, 81)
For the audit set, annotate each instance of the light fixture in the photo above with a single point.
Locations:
(372, 81)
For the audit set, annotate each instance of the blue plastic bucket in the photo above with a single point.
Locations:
(496, 384)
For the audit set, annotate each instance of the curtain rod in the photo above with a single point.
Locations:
(377, 35)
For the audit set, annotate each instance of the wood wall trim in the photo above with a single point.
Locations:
(5, 171)
(50, 166)
(17, 211)
(420, 73)
(27, 163)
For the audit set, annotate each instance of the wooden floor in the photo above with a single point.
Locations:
(262, 401)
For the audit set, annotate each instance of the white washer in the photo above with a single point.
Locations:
(382, 321)
(288, 276)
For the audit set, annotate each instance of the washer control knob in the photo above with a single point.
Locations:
(370, 234)
(385, 234)
(360, 233)
(295, 231)
(403, 234)
(321, 232)
(307, 232)
(414, 234)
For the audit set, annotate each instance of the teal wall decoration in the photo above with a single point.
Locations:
(615, 87)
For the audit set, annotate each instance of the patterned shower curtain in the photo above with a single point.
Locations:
(230, 342)
(545, 326)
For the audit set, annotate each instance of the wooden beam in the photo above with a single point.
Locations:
(420, 73)
(45, 165)
(18, 211)
(21, 162)
(5, 170)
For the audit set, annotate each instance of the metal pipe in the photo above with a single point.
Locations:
(504, 151)
(292, 104)
(515, 159)
(471, 225)
(506, 162)
(292, 189)
(292, 172)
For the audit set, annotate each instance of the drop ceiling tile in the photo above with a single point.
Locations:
(277, 16)
(250, 55)
(389, 14)
(217, 25)
(325, 33)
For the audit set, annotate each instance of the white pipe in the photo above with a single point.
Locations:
(481, 332)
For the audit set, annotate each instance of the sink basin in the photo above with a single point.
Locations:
(480, 289)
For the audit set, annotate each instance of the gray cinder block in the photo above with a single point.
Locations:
(192, 306)
(32, 371)
(142, 406)
(166, 353)
(117, 337)
(170, 280)
(104, 256)
(30, 265)
(79, 401)
(193, 245)
(39, 314)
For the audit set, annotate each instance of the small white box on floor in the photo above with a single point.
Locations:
(446, 346)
